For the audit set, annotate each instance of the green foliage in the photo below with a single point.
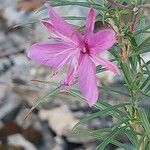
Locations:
(144, 121)
(129, 22)
(42, 99)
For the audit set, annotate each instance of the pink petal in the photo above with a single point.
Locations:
(102, 40)
(62, 26)
(90, 23)
(58, 35)
(107, 64)
(70, 75)
(52, 55)
(87, 80)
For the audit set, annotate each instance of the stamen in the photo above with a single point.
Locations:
(84, 50)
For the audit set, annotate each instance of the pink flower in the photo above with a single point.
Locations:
(79, 52)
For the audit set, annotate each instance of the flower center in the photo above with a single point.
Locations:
(85, 49)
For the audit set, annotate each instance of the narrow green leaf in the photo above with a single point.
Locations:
(114, 90)
(140, 25)
(144, 46)
(76, 93)
(146, 42)
(42, 99)
(116, 113)
(121, 145)
(127, 76)
(98, 134)
(134, 63)
(145, 94)
(143, 30)
(100, 69)
(83, 4)
(141, 141)
(146, 64)
(131, 38)
(147, 146)
(99, 105)
(74, 18)
(144, 121)
(147, 89)
(131, 135)
(27, 22)
(110, 137)
(101, 135)
(145, 82)
(100, 113)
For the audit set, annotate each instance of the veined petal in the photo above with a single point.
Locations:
(52, 55)
(58, 35)
(101, 40)
(105, 63)
(70, 75)
(87, 80)
(62, 26)
(90, 23)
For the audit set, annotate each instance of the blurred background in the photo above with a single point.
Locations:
(48, 126)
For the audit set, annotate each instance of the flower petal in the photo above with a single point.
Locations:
(52, 55)
(87, 80)
(58, 35)
(90, 23)
(105, 63)
(62, 26)
(101, 40)
(70, 75)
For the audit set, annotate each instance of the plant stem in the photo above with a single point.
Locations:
(133, 92)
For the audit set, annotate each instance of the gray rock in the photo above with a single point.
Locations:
(90, 146)
(2, 93)
(10, 107)
(60, 144)
(18, 139)
(42, 127)
(60, 119)
(48, 138)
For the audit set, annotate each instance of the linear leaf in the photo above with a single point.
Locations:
(74, 18)
(42, 99)
(144, 121)
(116, 112)
(99, 105)
(98, 134)
(114, 90)
(145, 82)
(83, 4)
(100, 113)
(132, 136)
(110, 137)
(144, 30)
(101, 136)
